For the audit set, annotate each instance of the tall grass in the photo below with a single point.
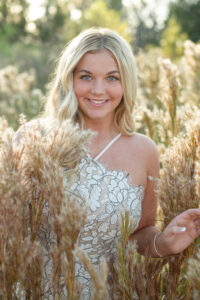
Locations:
(38, 166)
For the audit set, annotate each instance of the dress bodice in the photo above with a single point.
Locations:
(107, 194)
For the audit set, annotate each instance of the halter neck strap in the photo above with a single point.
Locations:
(107, 147)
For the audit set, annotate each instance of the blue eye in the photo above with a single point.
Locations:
(86, 77)
(112, 78)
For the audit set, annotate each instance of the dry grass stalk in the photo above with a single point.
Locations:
(75, 214)
(132, 276)
(99, 278)
(177, 192)
(12, 82)
(190, 67)
(121, 265)
(39, 169)
(17, 94)
(3, 127)
(50, 160)
(169, 92)
(162, 115)
(148, 77)
(25, 187)
(193, 275)
(18, 252)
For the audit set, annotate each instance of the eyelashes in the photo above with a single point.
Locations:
(109, 78)
(85, 77)
(112, 78)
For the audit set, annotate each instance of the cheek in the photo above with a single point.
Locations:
(117, 92)
(80, 89)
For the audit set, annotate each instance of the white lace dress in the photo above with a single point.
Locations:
(107, 193)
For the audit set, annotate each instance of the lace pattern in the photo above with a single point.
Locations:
(107, 194)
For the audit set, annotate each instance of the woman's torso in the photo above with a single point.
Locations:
(109, 189)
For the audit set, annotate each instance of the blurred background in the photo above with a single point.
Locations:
(165, 38)
(33, 32)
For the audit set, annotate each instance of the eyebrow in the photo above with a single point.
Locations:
(113, 72)
(88, 72)
(84, 71)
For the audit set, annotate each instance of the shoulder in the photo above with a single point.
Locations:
(36, 125)
(142, 140)
(144, 150)
(142, 143)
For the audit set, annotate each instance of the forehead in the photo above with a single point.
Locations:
(103, 58)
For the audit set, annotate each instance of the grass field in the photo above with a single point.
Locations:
(32, 173)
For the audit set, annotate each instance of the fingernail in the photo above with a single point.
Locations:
(182, 229)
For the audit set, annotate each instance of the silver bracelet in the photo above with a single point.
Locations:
(154, 243)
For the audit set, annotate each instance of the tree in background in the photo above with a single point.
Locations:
(49, 26)
(115, 4)
(99, 14)
(81, 5)
(172, 42)
(183, 22)
(13, 19)
(36, 46)
(187, 14)
(137, 22)
(143, 24)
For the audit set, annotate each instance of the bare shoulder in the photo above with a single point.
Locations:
(141, 143)
(150, 153)
(31, 126)
(143, 153)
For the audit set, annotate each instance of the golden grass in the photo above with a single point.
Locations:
(38, 166)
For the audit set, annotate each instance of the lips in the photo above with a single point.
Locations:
(97, 102)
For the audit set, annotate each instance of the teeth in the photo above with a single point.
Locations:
(97, 101)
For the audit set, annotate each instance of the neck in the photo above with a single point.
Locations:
(103, 129)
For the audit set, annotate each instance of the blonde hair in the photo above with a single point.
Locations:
(62, 102)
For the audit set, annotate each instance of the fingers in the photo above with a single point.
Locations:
(189, 214)
(197, 225)
(193, 212)
(197, 222)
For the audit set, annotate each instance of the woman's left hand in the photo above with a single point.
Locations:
(180, 232)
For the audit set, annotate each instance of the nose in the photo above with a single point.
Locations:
(98, 87)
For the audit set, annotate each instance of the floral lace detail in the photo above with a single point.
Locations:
(107, 194)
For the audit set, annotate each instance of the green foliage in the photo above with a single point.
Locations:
(5, 49)
(187, 14)
(18, 95)
(36, 56)
(49, 26)
(98, 14)
(82, 4)
(144, 27)
(11, 108)
(13, 19)
(173, 39)
(115, 4)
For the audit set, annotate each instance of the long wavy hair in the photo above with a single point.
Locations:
(62, 103)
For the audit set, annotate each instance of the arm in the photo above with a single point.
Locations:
(146, 230)
(182, 230)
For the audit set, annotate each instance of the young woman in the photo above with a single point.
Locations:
(95, 85)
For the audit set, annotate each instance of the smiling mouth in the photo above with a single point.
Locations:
(97, 101)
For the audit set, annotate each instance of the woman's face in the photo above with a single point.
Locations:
(97, 85)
